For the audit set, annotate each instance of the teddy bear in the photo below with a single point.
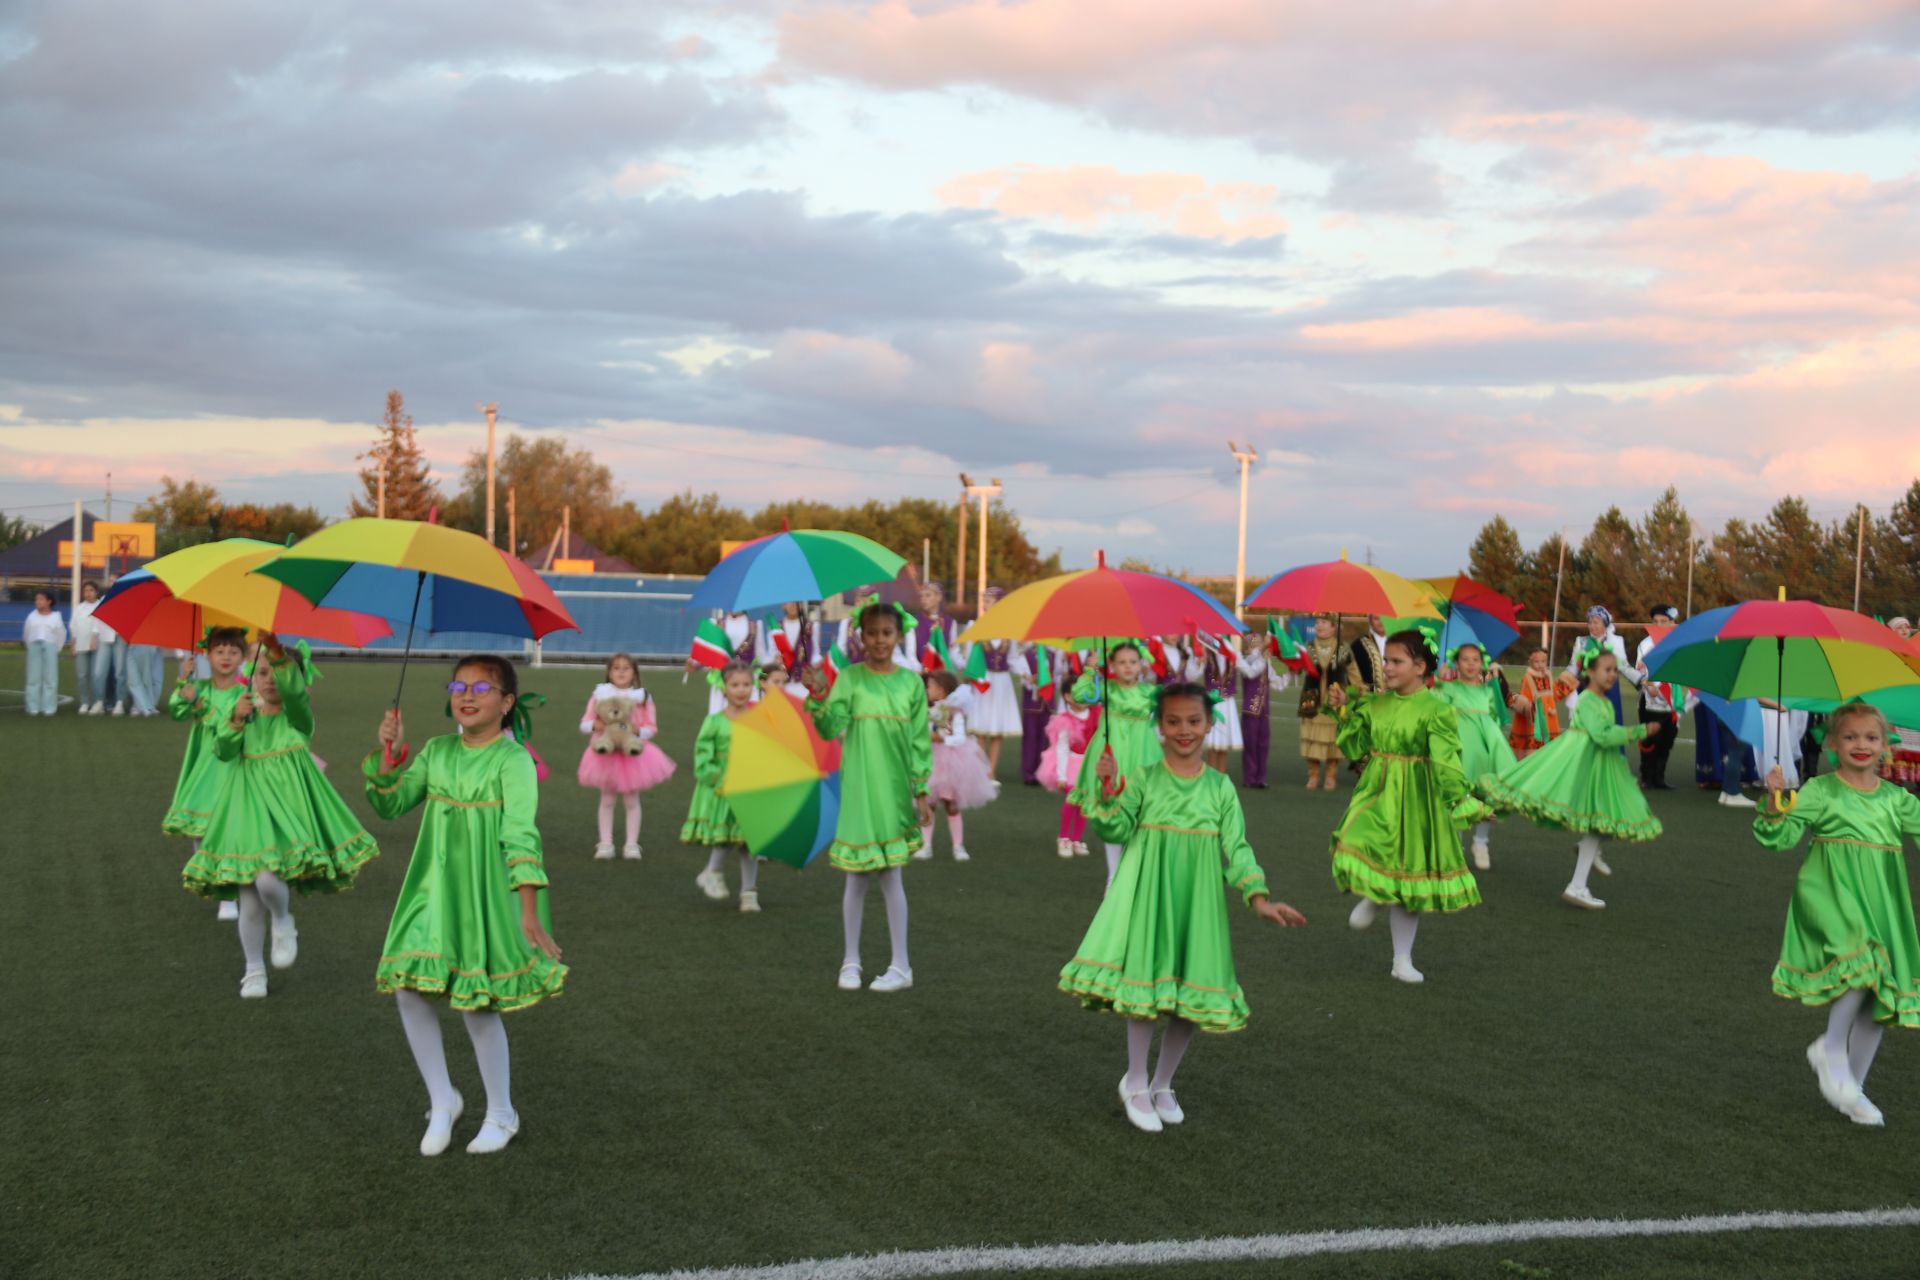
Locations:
(615, 731)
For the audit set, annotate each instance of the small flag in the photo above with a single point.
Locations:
(835, 664)
(1161, 667)
(1043, 674)
(777, 629)
(976, 673)
(937, 654)
(711, 648)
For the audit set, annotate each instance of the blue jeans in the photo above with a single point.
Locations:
(144, 674)
(112, 654)
(43, 677)
(89, 677)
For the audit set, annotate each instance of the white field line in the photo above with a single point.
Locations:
(1008, 1260)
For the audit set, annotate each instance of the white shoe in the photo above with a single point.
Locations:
(1482, 856)
(253, 986)
(1363, 913)
(749, 901)
(960, 854)
(849, 977)
(1403, 971)
(1166, 1106)
(1079, 848)
(229, 910)
(923, 854)
(602, 851)
(1736, 801)
(439, 1134)
(1865, 1113)
(286, 945)
(1064, 848)
(98, 708)
(1582, 898)
(1141, 1117)
(712, 883)
(119, 709)
(1841, 1093)
(1600, 867)
(493, 1136)
(894, 979)
(631, 852)
(996, 786)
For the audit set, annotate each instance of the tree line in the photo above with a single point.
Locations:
(1631, 566)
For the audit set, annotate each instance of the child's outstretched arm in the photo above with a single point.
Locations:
(1242, 872)
(832, 714)
(1780, 829)
(1595, 716)
(395, 783)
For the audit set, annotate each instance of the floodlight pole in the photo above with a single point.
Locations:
(984, 492)
(1246, 458)
(492, 411)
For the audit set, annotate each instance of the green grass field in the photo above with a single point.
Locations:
(702, 1096)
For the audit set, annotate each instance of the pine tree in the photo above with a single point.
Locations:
(1665, 542)
(411, 493)
(1497, 559)
(1609, 572)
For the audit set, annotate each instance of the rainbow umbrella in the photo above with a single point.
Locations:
(1344, 588)
(796, 564)
(1784, 649)
(1475, 614)
(173, 600)
(1102, 602)
(432, 577)
(782, 782)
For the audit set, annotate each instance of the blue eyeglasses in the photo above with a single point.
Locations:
(479, 688)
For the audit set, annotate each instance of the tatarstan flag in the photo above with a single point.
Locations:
(711, 648)
(1043, 674)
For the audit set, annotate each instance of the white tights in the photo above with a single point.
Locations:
(1853, 1037)
(853, 907)
(749, 866)
(632, 801)
(1173, 1047)
(267, 895)
(1403, 925)
(1113, 852)
(489, 1036)
(1588, 850)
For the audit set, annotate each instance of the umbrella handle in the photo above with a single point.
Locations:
(1785, 802)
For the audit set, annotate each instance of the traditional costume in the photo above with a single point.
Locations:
(1127, 729)
(1256, 720)
(1067, 737)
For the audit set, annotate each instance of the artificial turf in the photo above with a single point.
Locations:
(703, 1096)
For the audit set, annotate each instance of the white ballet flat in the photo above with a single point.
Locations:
(229, 910)
(1865, 1113)
(749, 901)
(253, 986)
(603, 851)
(439, 1134)
(1482, 856)
(894, 979)
(1841, 1093)
(286, 945)
(1582, 898)
(849, 977)
(1403, 971)
(1166, 1106)
(1600, 867)
(1142, 1117)
(493, 1136)
(1363, 913)
(631, 853)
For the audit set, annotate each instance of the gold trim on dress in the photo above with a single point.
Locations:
(1344, 848)
(464, 804)
(1858, 844)
(1178, 831)
(269, 755)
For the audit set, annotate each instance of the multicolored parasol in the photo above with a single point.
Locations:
(174, 599)
(797, 564)
(782, 782)
(1475, 614)
(1345, 588)
(1066, 610)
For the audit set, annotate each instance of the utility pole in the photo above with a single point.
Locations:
(1246, 458)
(1859, 555)
(78, 552)
(1559, 576)
(984, 492)
(492, 411)
(960, 556)
(513, 536)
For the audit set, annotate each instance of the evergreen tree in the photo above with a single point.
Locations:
(1497, 559)
(411, 493)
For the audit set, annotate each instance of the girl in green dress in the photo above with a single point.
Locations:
(1480, 700)
(1398, 845)
(710, 822)
(1850, 941)
(1126, 733)
(1581, 782)
(1158, 944)
(881, 711)
(202, 775)
(277, 822)
(471, 924)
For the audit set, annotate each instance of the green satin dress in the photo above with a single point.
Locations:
(1126, 726)
(1159, 942)
(202, 774)
(456, 929)
(276, 811)
(1399, 842)
(1483, 727)
(1580, 782)
(710, 822)
(888, 761)
(1850, 924)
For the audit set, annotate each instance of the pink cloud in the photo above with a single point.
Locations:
(1089, 194)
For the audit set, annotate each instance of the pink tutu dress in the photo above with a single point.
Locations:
(960, 773)
(1067, 736)
(615, 770)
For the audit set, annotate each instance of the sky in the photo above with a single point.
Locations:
(1433, 259)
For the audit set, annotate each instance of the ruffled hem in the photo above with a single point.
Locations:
(1447, 891)
(540, 979)
(877, 856)
(1101, 988)
(705, 834)
(1549, 812)
(624, 773)
(180, 822)
(307, 868)
(1867, 969)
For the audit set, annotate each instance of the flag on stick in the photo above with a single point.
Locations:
(711, 648)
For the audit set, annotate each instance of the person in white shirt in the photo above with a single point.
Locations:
(45, 634)
(1656, 707)
(89, 664)
(1601, 638)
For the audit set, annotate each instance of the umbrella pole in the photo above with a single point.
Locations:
(419, 581)
(1780, 721)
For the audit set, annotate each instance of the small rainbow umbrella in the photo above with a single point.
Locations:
(174, 599)
(1475, 613)
(796, 564)
(782, 782)
(429, 576)
(1784, 649)
(1345, 588)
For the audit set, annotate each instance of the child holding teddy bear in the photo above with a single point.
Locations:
(621, 759)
